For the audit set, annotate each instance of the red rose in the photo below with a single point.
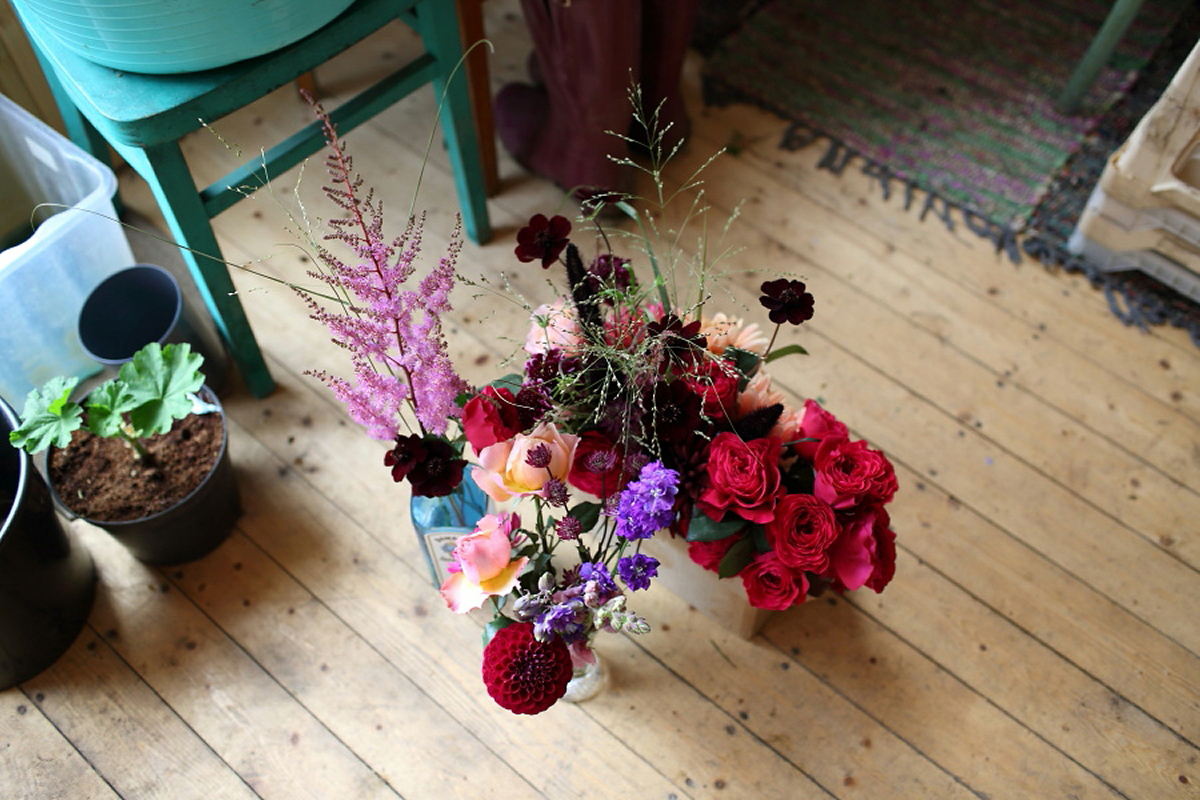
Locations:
(716, 382)
(864, 553)
(743, 477)
(594, 450)
(852, 474)
(803, 529)
(522, 674)
(820, 425)
(489, 417)
(772, 585)
(710, 554)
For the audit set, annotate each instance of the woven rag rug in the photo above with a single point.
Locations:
(957, 99)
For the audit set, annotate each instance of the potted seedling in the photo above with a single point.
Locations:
(143, 456)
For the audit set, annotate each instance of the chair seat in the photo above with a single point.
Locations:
(144, 116)
(141, 109)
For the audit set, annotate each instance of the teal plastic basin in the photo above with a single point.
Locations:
(172, 36)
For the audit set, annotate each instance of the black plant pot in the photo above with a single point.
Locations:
(47, 579)
(193, 527)
(139, 305)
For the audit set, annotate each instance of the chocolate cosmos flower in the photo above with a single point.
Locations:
(787, 301)
(543, 239)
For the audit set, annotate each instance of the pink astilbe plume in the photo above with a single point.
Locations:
(394, 335)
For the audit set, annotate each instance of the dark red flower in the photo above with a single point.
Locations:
(522, 674)
(434, 469)
(407, 453)
(543, 239)
(676, 412)
(787, 301)
(682, 344)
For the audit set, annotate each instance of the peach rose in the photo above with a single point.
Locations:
(506, 470)
(484, 565)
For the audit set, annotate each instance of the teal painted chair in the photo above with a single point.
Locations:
(143, 117)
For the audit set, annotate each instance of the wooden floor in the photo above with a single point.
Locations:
(1039, 640)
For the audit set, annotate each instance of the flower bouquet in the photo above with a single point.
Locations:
(634, 415)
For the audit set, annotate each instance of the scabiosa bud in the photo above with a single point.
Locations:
(522, 674)
(568, 529)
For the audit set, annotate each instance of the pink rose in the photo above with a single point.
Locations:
(716, 382)
(489, 417)
(802, 531)
(865, 552)
(743, 477)
(772, 585)
(818, 424)
(506, 469)
(483, 566)
(851, 474)
(591, 448)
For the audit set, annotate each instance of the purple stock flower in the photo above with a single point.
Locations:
(647, 504)
(589, 572)
(567, 620)
(637, 570)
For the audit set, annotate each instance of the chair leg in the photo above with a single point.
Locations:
(438, 25)
(165, 170)
(78, 128)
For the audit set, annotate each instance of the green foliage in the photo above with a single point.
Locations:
(703, 528)
(148, 395)
(49, 417)
(738, 558)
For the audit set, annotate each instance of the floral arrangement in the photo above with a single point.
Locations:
(633, 415)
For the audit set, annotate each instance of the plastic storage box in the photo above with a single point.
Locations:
(76, 244)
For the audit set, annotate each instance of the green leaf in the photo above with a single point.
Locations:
(744, 361)
(789, 350)
(759, 534)
(105, 405)
(737, 559)
(49, 417)
(703, 529)
(512, 381)
(587, 513)
(159, 380)
(495, 625)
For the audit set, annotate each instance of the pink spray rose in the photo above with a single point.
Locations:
(865, 552)
(818, 424)
(851, 474)
(773, 585)
(802, 531)
(743, 477)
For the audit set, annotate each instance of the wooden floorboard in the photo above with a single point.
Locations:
(1039, 640)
